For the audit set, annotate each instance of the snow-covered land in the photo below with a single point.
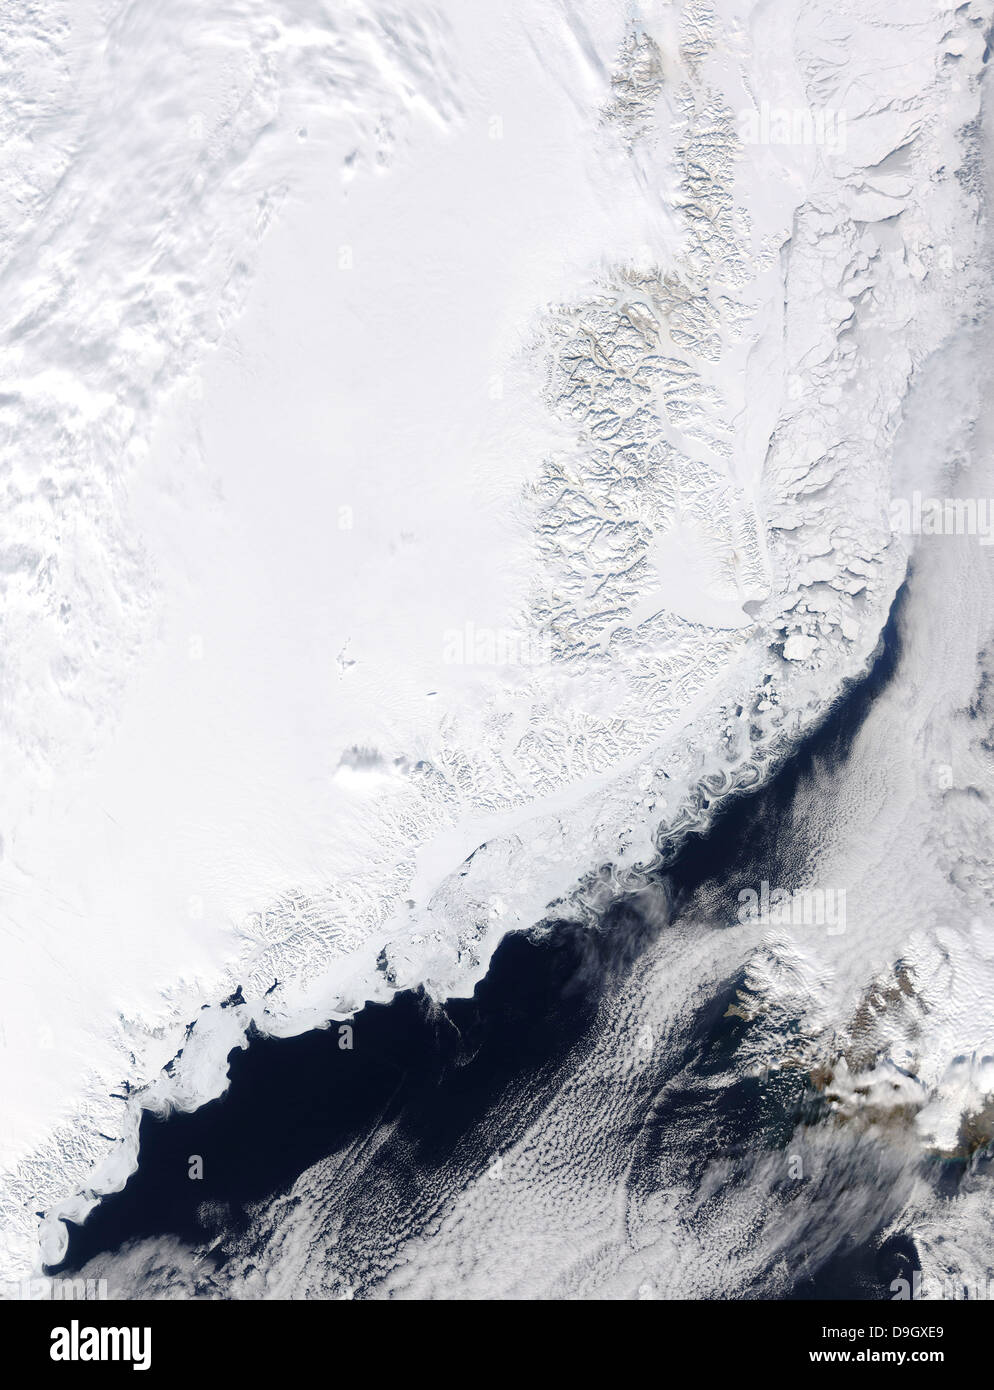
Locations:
(445, 449)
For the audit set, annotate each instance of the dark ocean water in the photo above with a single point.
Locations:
(293, 1101)
(433, 1077)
